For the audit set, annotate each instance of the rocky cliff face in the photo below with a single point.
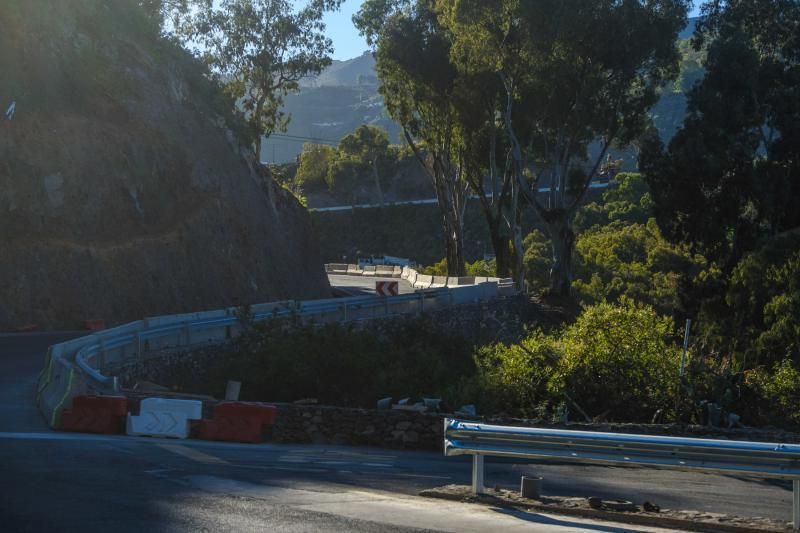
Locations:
(123, 190)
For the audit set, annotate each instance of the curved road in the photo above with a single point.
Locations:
(55, 481)
(364, 285)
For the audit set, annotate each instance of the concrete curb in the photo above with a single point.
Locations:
(641, 518)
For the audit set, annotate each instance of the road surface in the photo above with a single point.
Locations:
(54, 481)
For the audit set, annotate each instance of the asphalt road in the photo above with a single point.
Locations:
(363, 285)
(55, 481)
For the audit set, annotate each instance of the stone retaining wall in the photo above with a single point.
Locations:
(479, 323)
(424, 431)
(358, 427)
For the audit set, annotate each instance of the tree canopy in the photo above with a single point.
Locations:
(731, 172)
(575, 73)
(261, 49)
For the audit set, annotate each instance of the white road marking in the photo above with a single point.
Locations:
(78, 437)
(424, 476)
(194, 455)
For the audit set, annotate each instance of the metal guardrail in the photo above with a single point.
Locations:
(79, 366)
(92, 355)
(759, 459)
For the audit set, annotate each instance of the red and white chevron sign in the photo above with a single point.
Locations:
(387, 288)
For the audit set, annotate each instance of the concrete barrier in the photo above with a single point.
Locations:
(63, 382)
(423, 281)
(438, 282)
(384, 271)
(397, 272)
(337, 268)
(369, 270)
(412, 277)
(354, 270)
(460, 282)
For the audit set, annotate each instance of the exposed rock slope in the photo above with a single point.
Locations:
(123, 191)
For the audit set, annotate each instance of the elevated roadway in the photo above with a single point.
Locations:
(364, 285)
(55, 481)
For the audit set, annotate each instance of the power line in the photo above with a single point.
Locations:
(315, 140)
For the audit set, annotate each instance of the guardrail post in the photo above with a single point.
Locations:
(101, 359)
(477, 474)
(796, 504)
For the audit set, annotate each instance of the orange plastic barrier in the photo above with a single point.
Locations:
(96, 414)
(238, 422)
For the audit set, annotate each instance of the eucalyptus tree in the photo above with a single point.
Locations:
(361, 155)
(448, 117)
(732, 172)
(260, 50)
(418, 84)
(579, 76)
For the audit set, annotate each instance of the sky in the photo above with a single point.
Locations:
(347, 43)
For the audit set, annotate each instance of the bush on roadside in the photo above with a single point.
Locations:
(342, 365)
(619, 362)
(616, 362)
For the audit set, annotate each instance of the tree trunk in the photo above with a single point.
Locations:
(563, 239)
(518, 269)
(454, 247)
(502, 253)
(378, 188)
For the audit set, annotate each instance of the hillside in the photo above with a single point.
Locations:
(123, 189)
(345, 95)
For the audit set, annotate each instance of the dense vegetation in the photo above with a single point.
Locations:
(620, 358)
(503, 96)
(363, 159)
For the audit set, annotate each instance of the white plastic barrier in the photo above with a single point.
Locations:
(156, 424)
(193, 409)
(163, 417)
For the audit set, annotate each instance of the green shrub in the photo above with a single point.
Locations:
(633, 261)
(619, 362)
(779, 392)
(480, 267)
(515, 379)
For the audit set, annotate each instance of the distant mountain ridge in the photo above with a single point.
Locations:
(356, 71)
(345, 95)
